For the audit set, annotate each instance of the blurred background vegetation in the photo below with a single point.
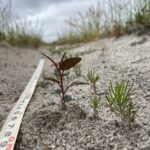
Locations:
(20, 32)
(111, 18)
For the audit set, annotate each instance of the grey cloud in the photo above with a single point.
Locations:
(34, 4)
(27, 7)
(50, 13)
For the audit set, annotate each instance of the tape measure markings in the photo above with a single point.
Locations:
(10, 129)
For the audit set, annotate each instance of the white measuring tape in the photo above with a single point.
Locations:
(9, 132)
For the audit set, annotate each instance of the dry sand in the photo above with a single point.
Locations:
(127, 58)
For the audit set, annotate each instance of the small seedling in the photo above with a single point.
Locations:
(77, 69)
(119, 101)
(93, 78)
(46, 147)
(61, 68)
(95, 104)
(43, 83)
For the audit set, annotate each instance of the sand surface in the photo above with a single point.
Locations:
(44, 124)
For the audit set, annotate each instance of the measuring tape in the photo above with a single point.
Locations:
(9, 132)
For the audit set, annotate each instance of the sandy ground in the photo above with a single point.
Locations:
(44, 124)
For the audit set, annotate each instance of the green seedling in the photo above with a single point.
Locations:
(95, 104)
(61, 67)
(77, 69)
(43, 83)
(119, 101)
(93, 78)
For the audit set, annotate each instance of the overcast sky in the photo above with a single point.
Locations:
(49, 15)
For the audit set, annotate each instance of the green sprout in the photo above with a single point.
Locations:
(95, 104)
(77, 69)
(93, 78)
(119, 101)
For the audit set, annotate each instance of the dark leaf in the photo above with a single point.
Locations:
(63, 57)
(69, 63)
(77, 83)
(52, 79)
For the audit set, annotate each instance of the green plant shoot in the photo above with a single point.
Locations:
(119, 101)
(93, 78)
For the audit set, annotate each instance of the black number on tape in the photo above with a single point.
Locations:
(3, 143)
(13, 118)
(11, 125)
(8, 133)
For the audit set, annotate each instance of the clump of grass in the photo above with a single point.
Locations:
(117, 30)
(5, 13)
(24, 40)
(95, 104)
(83, 29)
(119, 101)
(141, 16)
(19, 35)
(2, 36)
(78, 69)
(61, 67)
(93, 78)
(107, 19)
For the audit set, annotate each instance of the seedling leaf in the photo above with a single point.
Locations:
(63, 57)
(52, 79)
(69, 63)
(77, 83)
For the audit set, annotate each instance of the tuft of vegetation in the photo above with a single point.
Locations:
(61, 67)
(93, 78)
(119, 101)
(4, 18)
(83, 29)
(95, 104)
(141, 17)
(18, 34)
(108, 19)
(2, 36)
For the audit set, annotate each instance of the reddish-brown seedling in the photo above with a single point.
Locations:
(61, 67)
